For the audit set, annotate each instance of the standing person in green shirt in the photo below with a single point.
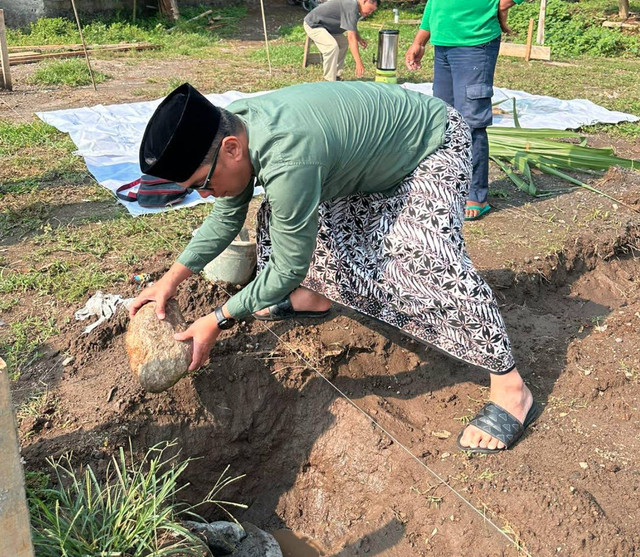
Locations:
(365, 186)
(466, 40)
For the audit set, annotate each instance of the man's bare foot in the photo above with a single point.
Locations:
(473, 213)
(303, 299)
(509, 392)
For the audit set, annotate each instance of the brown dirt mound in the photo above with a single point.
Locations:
(317, 465)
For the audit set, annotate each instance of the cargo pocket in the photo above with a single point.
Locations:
(478, 110)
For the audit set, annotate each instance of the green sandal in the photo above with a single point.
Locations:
(483, 211)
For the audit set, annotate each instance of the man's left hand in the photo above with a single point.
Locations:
(204, 333)
(363, 43)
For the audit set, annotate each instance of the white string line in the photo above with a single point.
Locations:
(301, 357)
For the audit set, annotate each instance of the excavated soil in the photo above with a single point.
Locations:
(315, 464)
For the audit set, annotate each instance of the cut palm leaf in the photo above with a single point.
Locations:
(517, 150)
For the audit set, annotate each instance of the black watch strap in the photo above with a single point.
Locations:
(223, 322)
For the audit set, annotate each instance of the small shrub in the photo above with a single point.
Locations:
(569, 31)
(132, 512)
(66, 72)
(49, 30)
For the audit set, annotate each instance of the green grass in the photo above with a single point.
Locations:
(65, 281)
(187, 39)
(19, 348)
(133, 509)
(17, 137)
(73, 72)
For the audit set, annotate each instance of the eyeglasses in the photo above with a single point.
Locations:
(205, 184)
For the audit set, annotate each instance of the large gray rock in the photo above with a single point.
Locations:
(258, 543)
(222, 537)
(155, 357)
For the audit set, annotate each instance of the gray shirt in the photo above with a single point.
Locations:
(336, 16)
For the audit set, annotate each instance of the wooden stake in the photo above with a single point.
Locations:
(541, 18)
(135, 6)
(305, 55)
(5, 75)
(14, 515)
(623, 9)
(266, 41)
(527, 54)
(84, 45)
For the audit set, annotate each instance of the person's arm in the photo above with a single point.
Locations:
(503, 13)
(413, 57)
(362, 42)
(352, 37)
(217, 231)
(294, 194)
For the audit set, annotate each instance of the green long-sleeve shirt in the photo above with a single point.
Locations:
(308, 144)
(467, 23)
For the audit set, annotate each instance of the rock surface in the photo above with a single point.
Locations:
(258, 543)
(222, 537)
(155, 357)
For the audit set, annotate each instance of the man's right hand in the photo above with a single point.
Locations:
(414, 56)
(359, 69)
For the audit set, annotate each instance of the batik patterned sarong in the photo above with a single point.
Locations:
(402, 259)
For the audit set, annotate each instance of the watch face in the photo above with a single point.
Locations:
(226, 324)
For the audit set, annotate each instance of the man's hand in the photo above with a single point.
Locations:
(204, 333)
(359, 69)
(159, 293)
(362, 42)
(413, 57)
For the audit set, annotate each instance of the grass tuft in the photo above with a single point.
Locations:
(133, 510)
(72, 73)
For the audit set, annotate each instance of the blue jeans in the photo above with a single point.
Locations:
(463, 77)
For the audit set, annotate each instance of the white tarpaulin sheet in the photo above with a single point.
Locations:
(108, 137)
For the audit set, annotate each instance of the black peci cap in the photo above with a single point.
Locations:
(179, 135)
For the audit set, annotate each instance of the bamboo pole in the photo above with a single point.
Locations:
(266, 40)
(84, 45)
(541, 20)
(5, 75)
(527, 55)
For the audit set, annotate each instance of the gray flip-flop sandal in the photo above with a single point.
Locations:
(502, 425)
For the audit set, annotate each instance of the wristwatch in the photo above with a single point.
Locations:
(223, 322)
